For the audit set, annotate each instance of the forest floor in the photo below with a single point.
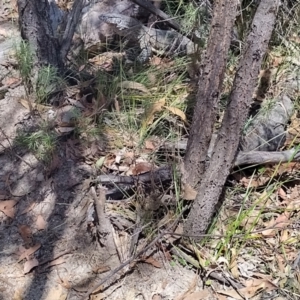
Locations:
(47, 250)
(51, 245)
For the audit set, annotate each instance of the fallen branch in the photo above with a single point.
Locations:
(262, 157)
(249, 158)
(104, 227)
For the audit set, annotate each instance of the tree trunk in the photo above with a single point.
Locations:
(73, 19)
(235, 116)
(35, 26)
(210, 83)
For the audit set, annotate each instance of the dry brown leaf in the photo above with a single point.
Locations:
(188, 192)
(141, 168)
(29, 251)
(231, 293)
(40, 223)
(106, 60)
(7, 207)
(288, 168)
(233, 264)
(294, 204)
(255, 181)
(99, 296)
(30, 264)
(252, 219)
(156, 61)
(152, 261)
(197, 295)
(280, 222)
(176, 111)
(253, 286)
(38, 107)
(149, 114)
(57, 293)
(284, 236)
(101, 269)
(178, 231)
(11, 81)
(161, 63)
(56, 262)
(276, 61)
(81, 68)
(25, 233)
(134, 86)
(117, 105)
(149, 145)
(294, 126)
(282, 193)
(129, 154)
(294, 194)
(281, 262)
(65, 283)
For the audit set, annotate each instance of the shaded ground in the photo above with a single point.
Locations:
(49, 250)
(45, 224)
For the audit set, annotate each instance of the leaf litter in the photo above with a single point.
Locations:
(266, 235)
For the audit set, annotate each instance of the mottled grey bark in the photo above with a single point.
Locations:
(35, 26)
(226, 146)
(72, 20)
(210, 83)
(39, 29)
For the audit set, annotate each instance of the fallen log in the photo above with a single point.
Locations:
(247, 158)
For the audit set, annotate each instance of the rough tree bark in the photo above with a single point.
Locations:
(210, 83)
(35, 26)
(235, 116)
(70, 27)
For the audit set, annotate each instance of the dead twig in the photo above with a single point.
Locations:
(57, 256)
(248, 158)
(130, 260)
(104, 227)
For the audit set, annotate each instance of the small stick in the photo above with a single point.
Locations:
(128, 261)
(57, 256)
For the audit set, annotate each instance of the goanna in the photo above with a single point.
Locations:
(150, 39)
